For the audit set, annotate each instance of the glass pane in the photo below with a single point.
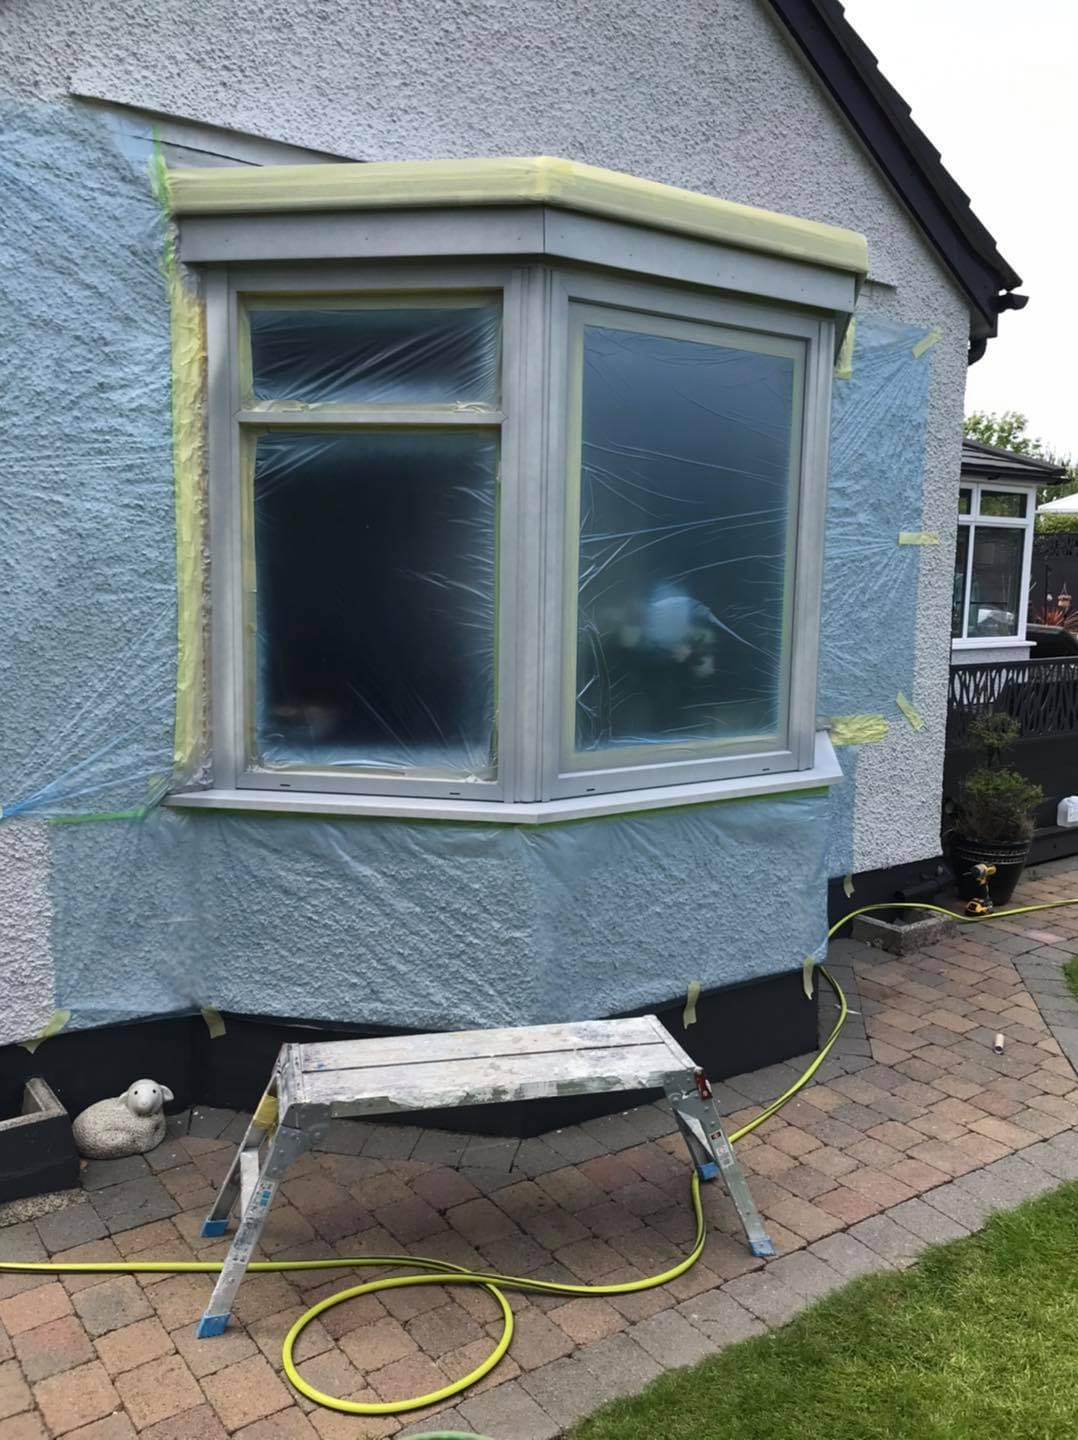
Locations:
(1001, 502)
(685, 497)
(958, 598)
(374, 558)
(399, 355)
(964, 499)
(996, 582)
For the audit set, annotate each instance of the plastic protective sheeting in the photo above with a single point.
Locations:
(375, 582)
(432, 925)
(408, 354)
(686, 487)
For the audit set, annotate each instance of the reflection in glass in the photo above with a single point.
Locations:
(375, 576)
(1004, 503)
(996, 581)
(685, 504)
(958, 598)
(417, 355)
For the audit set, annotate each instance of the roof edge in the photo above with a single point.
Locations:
(995, 462)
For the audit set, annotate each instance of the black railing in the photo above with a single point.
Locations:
(1042, 696)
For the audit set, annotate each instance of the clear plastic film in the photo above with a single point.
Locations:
(686, 489)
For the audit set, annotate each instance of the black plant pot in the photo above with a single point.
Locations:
(1008, 856)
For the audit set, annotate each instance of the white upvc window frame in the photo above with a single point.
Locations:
(537, 526)
(971, 523)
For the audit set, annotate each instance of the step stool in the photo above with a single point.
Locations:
(314, 1084)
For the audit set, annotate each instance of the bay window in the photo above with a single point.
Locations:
(518, 537)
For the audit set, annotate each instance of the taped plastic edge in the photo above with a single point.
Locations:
(844, 362)
(513, 180)
(214, 1024)
(847, 885)
(912, 714)
(807, 966)
(918, 537)
(188, 345)
(857, 729)
(688, 1015)
(53, 1025)
(266, 1113)
(926, 342)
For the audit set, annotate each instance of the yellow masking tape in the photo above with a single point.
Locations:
(926, 342)
(847, 885)
(513, 180)
(688, 1015)
(266, 1114)
(857, 729)
(806, 975)
(918, 537)
(214, 1024)
(55, 1023)
(844, 363)
(912, 714)
(188, 345)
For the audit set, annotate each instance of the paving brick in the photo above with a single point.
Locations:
(111, 1427)
(96, 1174)
(509, 1410)
(27, 1426)
(198, 1424)
(135, 1202)
(895, 1243)
(245, 1392)
(158, 1390)
(589, 1259)
(587, 1319)
(134, 1345)
(806, 1273)
(566, 1390)
(50, 1349)
(75, 1397)
(1055, 1158)
(847, 1206)
(74, 1225)
(804, 1218)
(848, 1256)
(181, 1299)
(672, 1339)
(289, 1424)
(767, 1298)
(110, 1306)
(979, 1148)
(537, 1340)
(14, 1392)
(480, 1221)
(573, 1145)
(948, 1159)
(34, 1307)
(203, 1358)
(927, 1222)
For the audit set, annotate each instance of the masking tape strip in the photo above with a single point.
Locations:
(926, 342)
(55, 1023)
(214, 1024)
(137, 814)
(188, 346)
(857, 729)
(918, 537)
(266, 1114)
(844, 362)
(847, 885)
(912, 714)
(688, 1015)
(806, 975)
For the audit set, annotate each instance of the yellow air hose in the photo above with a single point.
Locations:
(440, 1272)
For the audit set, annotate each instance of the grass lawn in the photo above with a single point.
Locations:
(1070, 974)
(979, 1341)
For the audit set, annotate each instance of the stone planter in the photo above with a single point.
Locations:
(37, 1151)
(902, 937)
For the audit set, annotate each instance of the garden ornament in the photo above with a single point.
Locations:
(130, 1124)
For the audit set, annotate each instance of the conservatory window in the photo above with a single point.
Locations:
(992, 560)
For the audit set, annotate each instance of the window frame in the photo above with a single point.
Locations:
(535, 530)
(971, 522)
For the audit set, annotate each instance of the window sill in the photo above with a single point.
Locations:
(993, 642)
(825, 771)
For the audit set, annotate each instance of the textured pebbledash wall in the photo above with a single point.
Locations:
(377, 921)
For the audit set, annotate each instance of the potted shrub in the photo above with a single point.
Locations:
(994, 814)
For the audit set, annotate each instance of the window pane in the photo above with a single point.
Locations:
(374, 558)
(958, 599)
(999, 502)
(399, 355)
(964, 499)
(685, 497)
(996, 582)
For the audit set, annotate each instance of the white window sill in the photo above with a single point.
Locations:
(993, 642)
(825, 771)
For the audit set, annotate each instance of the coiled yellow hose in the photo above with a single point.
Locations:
(441, 1272)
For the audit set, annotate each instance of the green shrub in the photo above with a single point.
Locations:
(997, 805)
(992, 734)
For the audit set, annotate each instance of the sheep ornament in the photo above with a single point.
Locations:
(130, 1124)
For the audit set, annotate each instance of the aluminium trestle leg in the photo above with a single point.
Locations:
(698, 1120)
(254, 1177)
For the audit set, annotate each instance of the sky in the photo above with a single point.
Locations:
(994, 86)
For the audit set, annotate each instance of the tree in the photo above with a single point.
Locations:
(1006, 430)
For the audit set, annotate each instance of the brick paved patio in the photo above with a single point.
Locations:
(915, 1133)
